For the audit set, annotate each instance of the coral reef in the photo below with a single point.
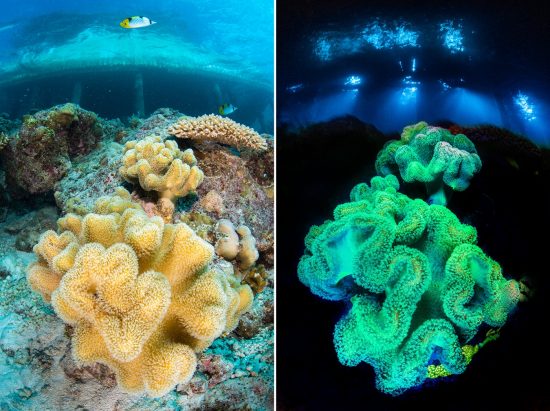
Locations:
(213, 203)
(37, 349)
(90, 177)
(256, 277)
(6, 125)
(102, 267)
(39, 155)
(420, 288)
(4, 139)
(433, 156)
(236, 244)
(161, 167)
(41, 374)
(4, 197)
(245, 199)
(218, 129)
(28, 228)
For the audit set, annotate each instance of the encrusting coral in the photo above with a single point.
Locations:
(220, 130)
(162, 167)
(431, 155)
(142, 295)
(237, 244)
(420, 289)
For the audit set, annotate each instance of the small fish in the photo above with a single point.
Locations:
(226, 109)
(136, 22)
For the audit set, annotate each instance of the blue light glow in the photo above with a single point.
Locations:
(333, 105)
(352, 81)
(452, 36)
(413, 68)
(445, 86)
(401, 65)
(409, 92)
(323, 49)
(527, 109)
(380, 36)
(295, 88)
(408, 80)
(376, 34)
(353, 92)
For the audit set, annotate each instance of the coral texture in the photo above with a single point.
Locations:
(141, 295)
(218, 129)
(161, 166)
(6, 125)
(433, 156)
(39, 155)
(237, 244)
(90, 177)
(28, 228)
(419, 287)
(246, 201)
(3, 140)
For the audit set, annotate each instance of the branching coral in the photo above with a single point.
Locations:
(419, 287)
(162, 167)
(237, 244)
(433, 156)
(218, 129)
(141, 295)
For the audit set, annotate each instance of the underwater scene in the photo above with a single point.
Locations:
(413, 166)
(136, 205)
(392, 64)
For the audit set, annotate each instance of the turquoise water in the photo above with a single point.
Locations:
(200, 54)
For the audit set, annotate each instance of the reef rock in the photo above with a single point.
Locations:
(157, 124)
(28, 228)
(6, 125)
(39, 155)
(246, 199)
(91, 177)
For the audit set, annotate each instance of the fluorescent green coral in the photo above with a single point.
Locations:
(433, 156)
(419, 287)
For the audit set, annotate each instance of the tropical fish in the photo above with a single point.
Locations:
(136, 22)
(226, 109)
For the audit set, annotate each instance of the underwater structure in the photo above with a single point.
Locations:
(92, 62)
(394, 65)
(136, 268)
(420, 289)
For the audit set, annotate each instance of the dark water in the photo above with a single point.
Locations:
(501, 55)
(508, 207)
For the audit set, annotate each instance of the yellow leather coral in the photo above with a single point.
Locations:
(237, 244)
(218, 129)
(160, 166)
(141, 295)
